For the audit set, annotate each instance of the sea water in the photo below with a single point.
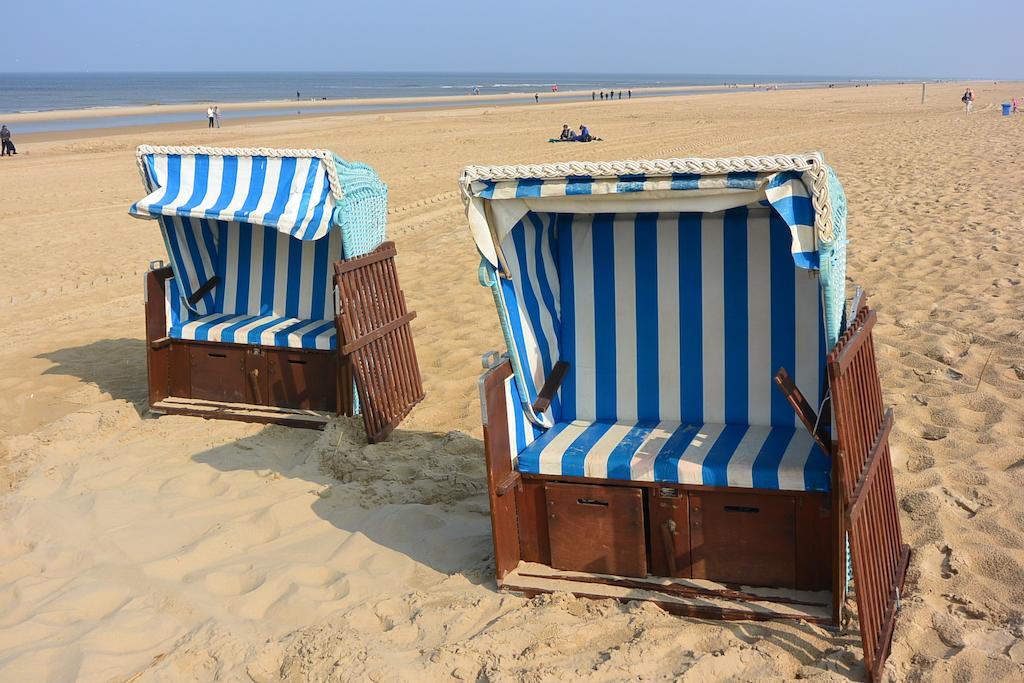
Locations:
(23, 92)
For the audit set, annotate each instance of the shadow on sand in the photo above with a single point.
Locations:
(420, 493)
(116, 366)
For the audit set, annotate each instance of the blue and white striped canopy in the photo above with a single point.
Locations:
(786, 191)
(293, 194)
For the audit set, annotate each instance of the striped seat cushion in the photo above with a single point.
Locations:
(782, 458)
(267, 330)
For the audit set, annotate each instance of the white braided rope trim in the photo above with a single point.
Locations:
(811, 163)
(326, 156)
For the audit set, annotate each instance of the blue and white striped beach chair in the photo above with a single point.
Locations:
(647, 307)
(248, 304)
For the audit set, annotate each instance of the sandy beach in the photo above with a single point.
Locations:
(178, 549)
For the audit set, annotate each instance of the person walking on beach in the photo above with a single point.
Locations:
(629, 94)
(216, 116)
(536, 98)
(968, 100)
(592, 96)
(297, 95)
(5, 141)
(209, 117)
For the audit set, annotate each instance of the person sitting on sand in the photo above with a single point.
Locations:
(566, 132)
(584, 135)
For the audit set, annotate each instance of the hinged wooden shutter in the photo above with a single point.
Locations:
(877, 550)
(376, 341)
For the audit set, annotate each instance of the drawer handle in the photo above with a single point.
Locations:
(254, 384)
(592, 501)
(668, 532)
(217, 355)
(296, 361)
(741, 508)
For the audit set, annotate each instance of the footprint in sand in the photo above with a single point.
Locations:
(89, 602)
(231, 581)
(12, 548)
(197, 483)
(313, 576)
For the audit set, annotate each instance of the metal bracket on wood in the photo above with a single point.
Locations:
(859, 301)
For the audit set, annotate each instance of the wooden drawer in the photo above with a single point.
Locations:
(301, 379)
(746, 538)
(597, 528)
(234, 374)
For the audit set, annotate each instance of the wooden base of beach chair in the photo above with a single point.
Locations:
(254, 383)
(244, 412)
(258, 383)
(685, 597)
(694, 550)
(779, 539)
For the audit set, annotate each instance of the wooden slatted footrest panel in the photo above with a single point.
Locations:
(244, 412)
(879, 556)
(376, 339)
(686, 597)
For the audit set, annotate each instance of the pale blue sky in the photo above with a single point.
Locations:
(892, 38)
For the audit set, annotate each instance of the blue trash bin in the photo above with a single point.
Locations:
(1006, 108)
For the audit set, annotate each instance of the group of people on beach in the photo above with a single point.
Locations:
(610, 95)
(5, 142)
(213, 116)
(568, 135)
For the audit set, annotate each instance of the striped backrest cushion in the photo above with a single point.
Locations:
(262, 271)
(532, 298)
(670, 317)
(267, 272)
(192, 248)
